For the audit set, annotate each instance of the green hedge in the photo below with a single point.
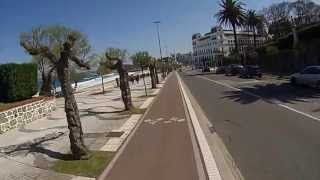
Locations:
(18, 81)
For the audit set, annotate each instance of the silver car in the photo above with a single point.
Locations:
(309, 76)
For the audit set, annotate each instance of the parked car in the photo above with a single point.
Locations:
(251, 71)
(309, 76)
(220, 70)
(213, 69)
(206, 69)
(234, 69)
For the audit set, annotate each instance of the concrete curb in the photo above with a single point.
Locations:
(208, 159)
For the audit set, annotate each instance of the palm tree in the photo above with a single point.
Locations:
(252, 21)
(232, 13)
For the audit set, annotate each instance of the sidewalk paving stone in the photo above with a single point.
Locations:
(100, 114)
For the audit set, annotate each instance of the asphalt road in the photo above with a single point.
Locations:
(267, 141)
(161, 148)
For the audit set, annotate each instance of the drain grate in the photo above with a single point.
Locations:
(115, 134)
(95, 135)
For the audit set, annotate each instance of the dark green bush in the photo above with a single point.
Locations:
(18, 81)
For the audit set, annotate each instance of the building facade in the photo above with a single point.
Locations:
(209, 48)
(184, 58)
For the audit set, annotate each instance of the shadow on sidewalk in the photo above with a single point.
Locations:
(25, 130)
(93, 110)
(37, 147)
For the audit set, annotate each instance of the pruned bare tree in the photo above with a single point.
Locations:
(61, 46)
(114, 60)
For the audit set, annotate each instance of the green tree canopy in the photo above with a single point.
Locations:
(231, 13)
(141, 59)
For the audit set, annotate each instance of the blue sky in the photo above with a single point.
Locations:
(112, 23)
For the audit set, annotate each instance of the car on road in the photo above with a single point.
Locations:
(251, 71)
(234, 69)
(309, 76)
(220, 70)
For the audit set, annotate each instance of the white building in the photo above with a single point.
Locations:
(210, 47)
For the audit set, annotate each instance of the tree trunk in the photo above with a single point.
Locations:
(153, 76)
(78, 148)
(144, 82)
(156, 75)
(235, 38)
(46, 86)
(125, 88)
(163, 73)
(102, 83)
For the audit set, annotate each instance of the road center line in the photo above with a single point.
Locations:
(257, 96)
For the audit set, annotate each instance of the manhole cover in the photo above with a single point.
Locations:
(115, 134)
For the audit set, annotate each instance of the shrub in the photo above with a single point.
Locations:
(18, 81)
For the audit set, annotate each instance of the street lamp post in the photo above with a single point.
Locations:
(159, 41)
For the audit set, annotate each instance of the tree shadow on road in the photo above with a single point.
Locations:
(274, 93)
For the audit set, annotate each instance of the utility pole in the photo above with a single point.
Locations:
(159, 41)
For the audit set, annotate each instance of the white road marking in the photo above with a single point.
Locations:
(269, 101)
(181, 120)
(299, 112)
(147, 120)
(209, 161)
(82, 178)
(251, 82)
(167, 121)
(174, 119)
(220, 83)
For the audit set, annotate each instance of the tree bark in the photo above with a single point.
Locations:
(156, 74)
(124, 87)
(61, 65)
(163, 73)
(144, 82)
(78, 148)
(46, 86)
(153, 76)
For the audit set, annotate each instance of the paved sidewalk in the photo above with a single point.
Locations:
(22, 157)
(161, 148)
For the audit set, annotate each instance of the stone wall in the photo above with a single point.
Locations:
(18, 116)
